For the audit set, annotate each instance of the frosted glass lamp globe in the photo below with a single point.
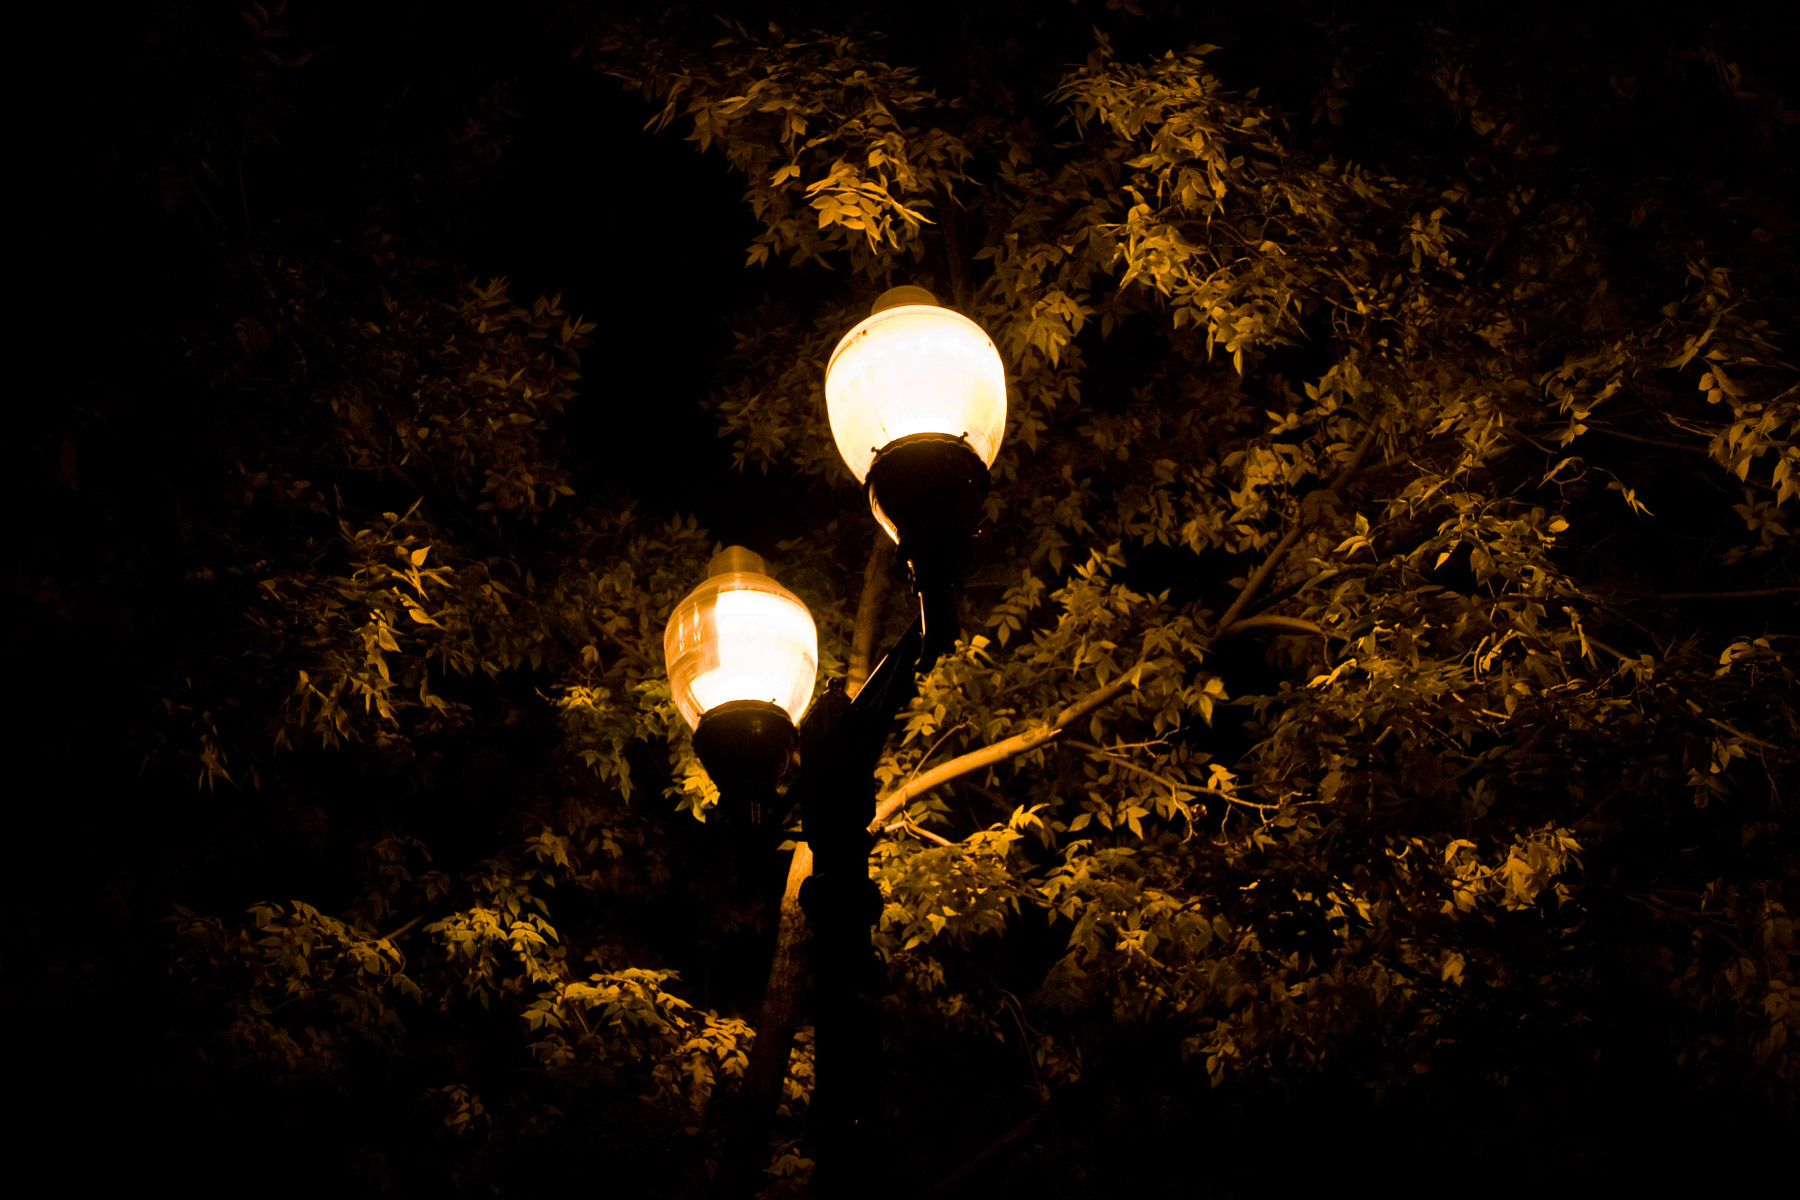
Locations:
(914, 367)
(740, 637)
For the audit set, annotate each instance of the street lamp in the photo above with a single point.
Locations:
(742, 654)
(916, 396)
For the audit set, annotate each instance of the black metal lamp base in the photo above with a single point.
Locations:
(927, 490)
(746, 745)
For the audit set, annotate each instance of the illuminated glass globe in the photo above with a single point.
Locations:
(916, 395)
(912, 368)
(740, 638)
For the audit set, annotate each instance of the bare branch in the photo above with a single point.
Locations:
(1012, 747)
(1294, 589)
(1261, 575)
(953, 250)
(630, 651)
(388, 937)
(935, 747)
(1265, 621)
(917, 830)
(868, 612)
(1747, 594)
(1666, 443)
(1039, 735)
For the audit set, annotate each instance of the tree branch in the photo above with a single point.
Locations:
(868, 612)
(747, 1136)
(1666, 443)
(632, 652)
(1261, 575)
(952, 1182)
(1747, 594)
(953, 250)
(1012, 747)
(1175, 786)
(917, 830)
(1040, 735)
(400, 932)
(1294, 589)
(1286, 624)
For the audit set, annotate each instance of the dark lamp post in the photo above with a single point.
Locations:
(742, 655)
(917, 400)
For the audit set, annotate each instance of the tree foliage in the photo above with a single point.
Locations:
(1380, 667)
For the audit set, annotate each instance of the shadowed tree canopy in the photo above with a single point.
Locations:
(1375, 722)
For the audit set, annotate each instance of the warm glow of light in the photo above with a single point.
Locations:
(915, 368)
(741, 636)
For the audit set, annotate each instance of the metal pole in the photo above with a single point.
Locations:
(836, 794)
(842, 903)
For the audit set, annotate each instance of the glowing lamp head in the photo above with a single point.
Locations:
(740, 637)
(914, 367)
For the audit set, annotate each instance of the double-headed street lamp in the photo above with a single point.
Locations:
(916, 396)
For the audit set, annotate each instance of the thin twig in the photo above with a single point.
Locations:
(1734, 731)
(1116, 747)
(1276, 807)
(935, 747)
(1175, 786)
(580, 1019)
(1267, 621)
(642, 659)
(1294, 589)
(918, 830)
(953, 250)
(1746, 594)
(1612, 650)
(1666, 443)
(388, 937)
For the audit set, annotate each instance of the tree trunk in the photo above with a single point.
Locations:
(747, 1136)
